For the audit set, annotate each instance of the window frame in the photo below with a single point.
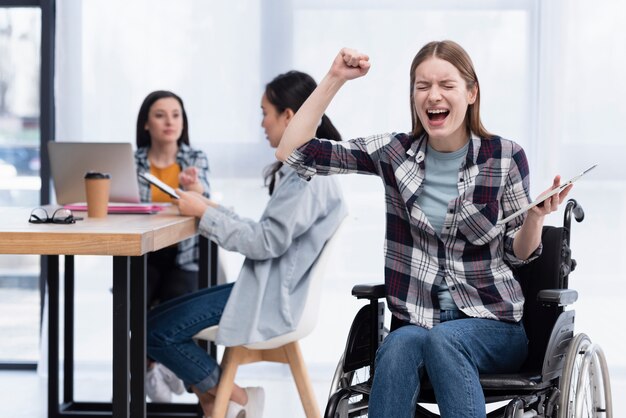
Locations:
(46, 131)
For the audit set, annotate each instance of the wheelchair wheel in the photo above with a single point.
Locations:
(584, 386)
(342, 379)
(349, 404)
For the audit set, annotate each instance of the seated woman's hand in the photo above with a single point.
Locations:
(192, 203)
(189, 180)
(551, 204)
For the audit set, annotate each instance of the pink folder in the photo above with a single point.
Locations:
(123, 207)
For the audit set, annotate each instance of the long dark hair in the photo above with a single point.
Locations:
(289, 91)
(453, 53)
(143, 136)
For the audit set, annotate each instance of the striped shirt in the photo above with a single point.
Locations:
(188, 251)
(472, 252)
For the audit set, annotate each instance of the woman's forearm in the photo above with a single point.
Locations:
(348, 65)
(303, 125)
(528, 238)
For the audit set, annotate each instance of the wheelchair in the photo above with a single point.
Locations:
(564, 376)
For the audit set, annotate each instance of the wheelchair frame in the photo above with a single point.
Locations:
(565, 375)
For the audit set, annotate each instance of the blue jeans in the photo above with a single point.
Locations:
(171, 326)
(452, 353)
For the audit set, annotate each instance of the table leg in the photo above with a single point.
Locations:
(138, 336)
(121, 337)
(204, 265)
(68, 331)
(53, 335)
(213, 282)
(207, 277)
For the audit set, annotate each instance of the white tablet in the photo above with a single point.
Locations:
(545, 195)
(158, 183)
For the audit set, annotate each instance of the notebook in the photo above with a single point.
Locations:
(69, 161)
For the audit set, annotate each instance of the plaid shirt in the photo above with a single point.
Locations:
(473, 253)
(188, 252)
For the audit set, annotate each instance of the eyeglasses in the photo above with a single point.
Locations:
(59, 216)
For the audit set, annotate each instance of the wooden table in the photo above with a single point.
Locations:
(128, 239)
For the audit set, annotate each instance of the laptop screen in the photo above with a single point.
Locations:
(69, 161)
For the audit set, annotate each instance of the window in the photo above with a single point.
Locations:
(206, 52)
(500, 43)
(20, 48)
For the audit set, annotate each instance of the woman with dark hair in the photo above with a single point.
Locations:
(163, 150)
(456, 304)
(268, 297)
(279, 94)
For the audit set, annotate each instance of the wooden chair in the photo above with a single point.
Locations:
(282, 349)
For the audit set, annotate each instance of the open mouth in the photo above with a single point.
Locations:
(437, 115)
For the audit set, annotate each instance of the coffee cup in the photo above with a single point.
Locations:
(97, 187)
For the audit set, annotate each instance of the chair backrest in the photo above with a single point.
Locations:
(310, 312)
(548, 271)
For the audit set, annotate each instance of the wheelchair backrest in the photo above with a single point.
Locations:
(549, 271)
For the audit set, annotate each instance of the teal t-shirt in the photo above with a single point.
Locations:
(440, 187)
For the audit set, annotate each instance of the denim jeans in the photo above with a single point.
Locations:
(171, 326)
(452, 353)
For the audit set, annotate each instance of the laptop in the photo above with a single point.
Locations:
(69, 161)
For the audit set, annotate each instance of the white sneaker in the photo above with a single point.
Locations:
(234, 411)
(256, 400)
(176, 385)
(252, 409)
(156, 388)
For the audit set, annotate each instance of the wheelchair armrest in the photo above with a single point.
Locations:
(558, 296)
(369, 291)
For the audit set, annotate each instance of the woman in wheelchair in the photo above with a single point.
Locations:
(280, 248)
(448, 279)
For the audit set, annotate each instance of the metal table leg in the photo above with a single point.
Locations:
(121, 337)
(68, 331)
(53, 335)
(138, 336)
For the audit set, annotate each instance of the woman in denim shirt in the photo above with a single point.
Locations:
(448, 280)
(267, 299)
